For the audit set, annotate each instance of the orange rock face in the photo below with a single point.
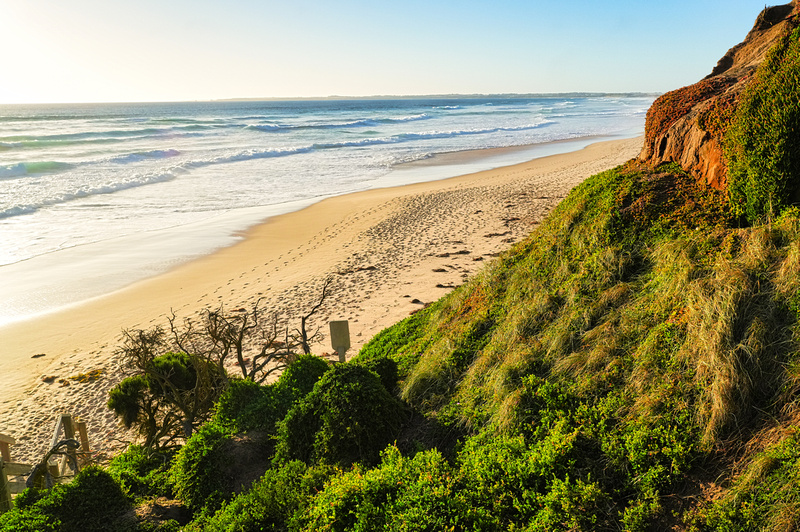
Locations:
(686, 125)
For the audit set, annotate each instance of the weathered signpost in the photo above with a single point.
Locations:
(340, 337)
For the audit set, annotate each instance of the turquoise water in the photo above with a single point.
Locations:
(84, 180)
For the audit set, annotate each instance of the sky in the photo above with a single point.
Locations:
(56, 51)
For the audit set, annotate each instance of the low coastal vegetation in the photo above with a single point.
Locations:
(634, 364)
(607, 373)
(762, 144)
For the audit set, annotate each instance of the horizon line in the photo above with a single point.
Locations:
(510, 95)
(440, 96)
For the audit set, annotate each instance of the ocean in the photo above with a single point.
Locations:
(96, 196)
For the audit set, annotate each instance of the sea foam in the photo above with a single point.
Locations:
(11, 171)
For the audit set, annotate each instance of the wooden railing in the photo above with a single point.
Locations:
(65, 430)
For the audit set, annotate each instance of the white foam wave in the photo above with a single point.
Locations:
(87, 191)
(140, 156)
(371, 121)
(411, 118)
(23, 169)
(265, 127)
(475, 131)
(372, 141)
(362, 122)
(247, 155)
(108, 135)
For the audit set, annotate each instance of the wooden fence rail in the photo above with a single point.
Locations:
(65, 429)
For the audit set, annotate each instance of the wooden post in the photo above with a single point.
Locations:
(5, 447)
(69, 428)
(5, 493)
(57, 431)
(64, 421)
(16, 470)
(81, 425)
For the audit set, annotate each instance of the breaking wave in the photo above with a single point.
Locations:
(11, 171)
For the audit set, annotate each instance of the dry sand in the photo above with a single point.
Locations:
(388, 252)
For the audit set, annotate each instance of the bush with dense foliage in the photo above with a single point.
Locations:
(418, 493)
(348, 417)
(272, 503)
(197, 472)
(142, 472)
(246, 405)
(385, 368)
(93, 501)
(302, 374)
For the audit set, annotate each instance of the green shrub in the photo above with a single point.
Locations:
(271, 503)
(197, 471)
(126, 397)
(93, 501)
(385, 368)
(29, 520)
(505, 476)
(177, 368)
(216, 464)
(303, 374)
(246, 405)
(401, 494)
(348, 417)
(763, 143)
(571, 505)
(237, 399)
(142, 472)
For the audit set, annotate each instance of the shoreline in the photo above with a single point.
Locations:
(388, 250)
(66, 278)
(465, 156)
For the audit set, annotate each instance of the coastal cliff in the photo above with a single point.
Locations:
(686, 125)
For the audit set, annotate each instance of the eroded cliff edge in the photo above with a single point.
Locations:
(686, 125)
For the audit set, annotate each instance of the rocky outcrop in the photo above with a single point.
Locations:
(686, 125)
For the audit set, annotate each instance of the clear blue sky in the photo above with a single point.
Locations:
(162, 50)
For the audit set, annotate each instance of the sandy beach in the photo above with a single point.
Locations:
(388, 251)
